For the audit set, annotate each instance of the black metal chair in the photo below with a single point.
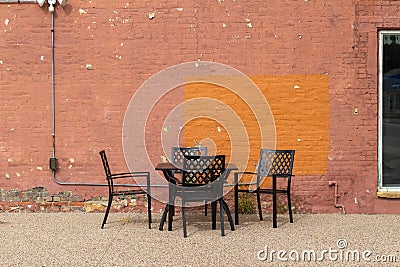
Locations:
(272, 163)
(202, 180)
(179, 153)
(134, 189)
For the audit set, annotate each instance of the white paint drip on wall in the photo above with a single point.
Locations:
(82, 11)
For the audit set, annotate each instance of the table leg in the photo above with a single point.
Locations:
(171, 202)
(274, 224)
(228, 213)
(163, 217)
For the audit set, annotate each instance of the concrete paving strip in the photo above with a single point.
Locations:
(75, 239)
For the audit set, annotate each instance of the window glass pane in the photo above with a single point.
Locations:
(391, 110)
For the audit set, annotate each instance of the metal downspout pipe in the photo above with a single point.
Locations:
(53, 159)
(337, 205)
(53, 166)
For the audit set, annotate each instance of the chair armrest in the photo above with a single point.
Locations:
(283, 175)
(245, 173)
(176, 180)
(236, 176)
(132, 175)
(129, 175)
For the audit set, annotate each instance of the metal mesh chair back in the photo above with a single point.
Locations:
(202, 170)
(179, 153)
(279, 162)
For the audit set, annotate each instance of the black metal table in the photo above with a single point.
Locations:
(168, 170)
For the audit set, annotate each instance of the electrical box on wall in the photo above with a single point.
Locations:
(53, 164)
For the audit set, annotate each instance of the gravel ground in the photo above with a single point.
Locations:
(75, 239)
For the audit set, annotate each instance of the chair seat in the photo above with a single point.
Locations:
(270, 191)
(128, 192)
(249, 183)
(199, 196)
(263, 190)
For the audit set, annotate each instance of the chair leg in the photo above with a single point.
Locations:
(149, 209)
(290, 207)
(205, 208)
(110, 198)
(184, 220)
(214, 215)
(236, 205)
(259, 205)
(171, 209)
(221, 216)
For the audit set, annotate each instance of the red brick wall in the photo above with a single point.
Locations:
(337, 39)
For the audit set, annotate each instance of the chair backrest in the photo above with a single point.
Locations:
(105, 163)
(179, 153)
(202, 170)
(279, 162)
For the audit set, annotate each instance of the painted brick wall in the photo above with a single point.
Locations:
(104, 50)
(356, 167)
(298, 103)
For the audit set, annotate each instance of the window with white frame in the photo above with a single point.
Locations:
(389, 110)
